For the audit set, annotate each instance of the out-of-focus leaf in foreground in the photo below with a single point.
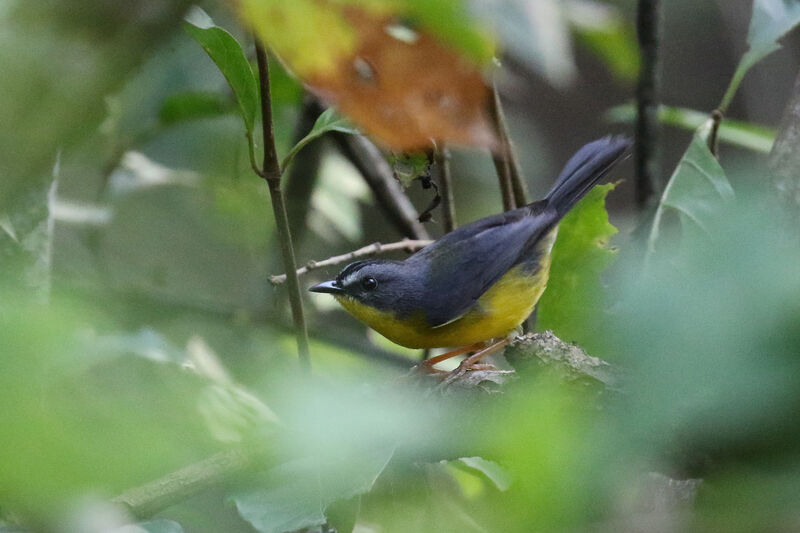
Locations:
(403, 82)
(711, 335)
(59, 61)
(75, 421)
(298, 493)
(580, 255)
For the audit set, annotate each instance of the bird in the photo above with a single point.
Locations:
(478, 283)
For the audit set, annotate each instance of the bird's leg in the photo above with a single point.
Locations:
(428, 364)
(469, 362)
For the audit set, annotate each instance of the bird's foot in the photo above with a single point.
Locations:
(472, 362)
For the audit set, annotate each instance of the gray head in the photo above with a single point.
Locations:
(386, 285)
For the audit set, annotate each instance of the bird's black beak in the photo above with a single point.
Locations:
(331, 287)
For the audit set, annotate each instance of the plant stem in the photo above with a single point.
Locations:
(505, 164)
(271, 172)
(446, 188)
(647, 91)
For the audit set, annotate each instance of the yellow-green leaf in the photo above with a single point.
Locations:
(580, 255)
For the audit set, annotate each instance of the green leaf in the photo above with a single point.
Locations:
(771, 20)
(327, 121)
(229, 57)
(496, 473)
(607, 34)
(736, 132)
(696, 190)
(580, 255)
(192, 105)
(410, 166)
(159, 526)
(301, 491)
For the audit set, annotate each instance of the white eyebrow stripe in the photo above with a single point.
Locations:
(350, 278)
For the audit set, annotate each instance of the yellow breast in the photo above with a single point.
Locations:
(497, 313)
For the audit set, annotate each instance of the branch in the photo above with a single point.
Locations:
(148, 499)
(568, 360)
(502, 158)
(446, 188)
(647, 127)
(271, 172)
(784, 160)
(372, 249)
(370, 162)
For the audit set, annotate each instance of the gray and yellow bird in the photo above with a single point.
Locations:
(479, 282)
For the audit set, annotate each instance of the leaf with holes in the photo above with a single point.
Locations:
(404, 83)
(575, 294)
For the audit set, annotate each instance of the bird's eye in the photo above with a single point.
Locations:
(369, 283)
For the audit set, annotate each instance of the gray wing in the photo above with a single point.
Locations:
(462, 265)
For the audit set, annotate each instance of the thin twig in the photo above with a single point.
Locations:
(446, 188)
(518, 184)
(374, 248)
(272, 175)
(502, 157)
(647, 91)
(376, 171)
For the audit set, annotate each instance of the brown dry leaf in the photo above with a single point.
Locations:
(403, 86)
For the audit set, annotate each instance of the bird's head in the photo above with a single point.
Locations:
(375, 283)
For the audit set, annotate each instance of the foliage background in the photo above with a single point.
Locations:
(139, 333)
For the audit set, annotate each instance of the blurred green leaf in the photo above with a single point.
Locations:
(771, 20)
(696, 190)
(229, 57)
(451, 21)
(608, 35)
(157, 526)
(191, 105)
(580, 255)
(329, 120)
(73, 421)
(493, 471)
(735, 132)
(58, 103)
(301, 491)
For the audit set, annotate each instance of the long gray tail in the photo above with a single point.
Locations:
(582, 172)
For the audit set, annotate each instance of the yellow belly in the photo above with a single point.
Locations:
(497, 313)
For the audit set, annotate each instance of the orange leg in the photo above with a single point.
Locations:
(470, 361)
(428, 364)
